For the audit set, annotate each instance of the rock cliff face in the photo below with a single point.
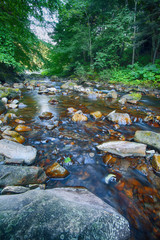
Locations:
(60, 214)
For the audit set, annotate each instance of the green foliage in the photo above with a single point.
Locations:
(137, 75)
(19, 47)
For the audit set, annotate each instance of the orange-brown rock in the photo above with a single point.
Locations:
(96, 114)
(46, 115)
(57, 171)
(109, 159)
(156, 162)
(23, 128)
(53, 101)
(13, 136)
(19, 121)
(79, 117)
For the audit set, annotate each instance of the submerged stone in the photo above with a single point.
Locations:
(46, 115)
(60, 213)
(124, 148)
(23, 128)
(57, 171)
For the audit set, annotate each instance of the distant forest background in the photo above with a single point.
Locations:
(101, 40)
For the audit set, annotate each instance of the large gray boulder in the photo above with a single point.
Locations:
(60, 214)
(124, 148)
(12, 149)
(148, 137)
(21, 175)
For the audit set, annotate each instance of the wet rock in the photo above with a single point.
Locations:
(52, 90)
(10, 93)
(22, 105)
(69, 85)
(156, 162)
(23, 128)
(2, 107)
(79, 117)
(46, 115)
(143, 168)
(60, 213)
(4, 100)
(53, 101)
(57, 171)
(112, 94)
(148, 137)
(14, 190)
(20, 175)
(71, 110)
(96, 114)
(12, 105)
(124, 148)
(120, 118)
(13, 161)
(13, 136)
(35, 186)
(131, 98)
(15, 150)
(19, 121)
(109, 160)
(18, 85)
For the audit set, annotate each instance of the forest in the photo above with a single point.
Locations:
(115, 41)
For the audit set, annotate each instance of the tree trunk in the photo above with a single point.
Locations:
(134, 33)
(155, 50)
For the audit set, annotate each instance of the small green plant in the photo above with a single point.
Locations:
(67, 160)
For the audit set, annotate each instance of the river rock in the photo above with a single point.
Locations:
(79, 117)
(130, 98)
(120, 118)
(13, 136)
(96, 114)
(12, 161)
(112, 94)
(124, 148)
(60, 213)
(14, 190)
(19, 121)
(46, 115)
(15, 150)
(23, 128)
(148, 137)
(69, 85)
(156, 162)
(57, 171)
(21, 175)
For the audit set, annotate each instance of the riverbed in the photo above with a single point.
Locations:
(133, 186)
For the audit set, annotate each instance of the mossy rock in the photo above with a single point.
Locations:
(10, 93)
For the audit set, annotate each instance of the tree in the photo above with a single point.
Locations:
(18, 44)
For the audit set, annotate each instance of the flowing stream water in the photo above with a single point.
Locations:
(132, 189)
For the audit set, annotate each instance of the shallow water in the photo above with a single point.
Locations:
(132, 192)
